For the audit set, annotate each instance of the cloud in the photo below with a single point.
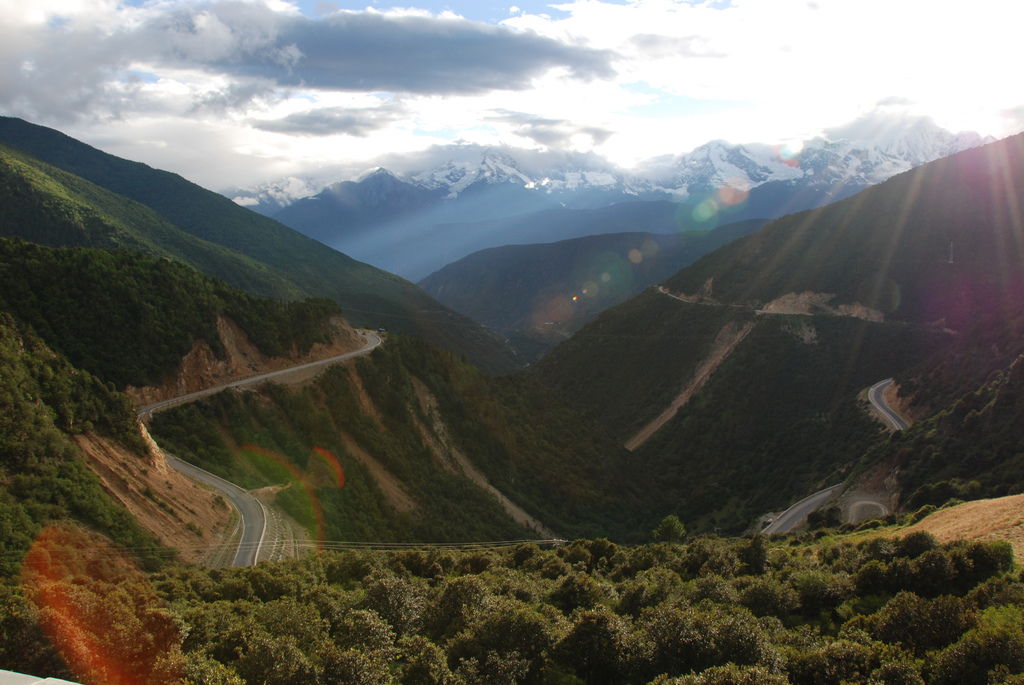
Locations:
(243, 91)
(894, 101)
(551, 133)
(1014, 119)
(329, 121)
(234, 96)
(658, 46)
(370, 51)
(58, 67)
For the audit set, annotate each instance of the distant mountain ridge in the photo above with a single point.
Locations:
(545, 292)
(863, 153)
(415, 223)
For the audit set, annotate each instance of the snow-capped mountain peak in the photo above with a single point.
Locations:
(455, 176)
(861, 153)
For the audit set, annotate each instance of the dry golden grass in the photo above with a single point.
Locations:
(988, 519)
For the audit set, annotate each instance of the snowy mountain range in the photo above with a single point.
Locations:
(862, 153)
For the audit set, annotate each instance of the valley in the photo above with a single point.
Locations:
(446, 342)
(420, 498)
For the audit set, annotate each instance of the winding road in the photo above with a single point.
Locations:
(252, 513)
(877, 399)
(373, 341)
(797, 514)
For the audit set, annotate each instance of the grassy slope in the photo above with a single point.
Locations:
(368, 295)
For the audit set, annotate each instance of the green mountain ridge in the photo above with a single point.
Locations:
(940, 242)
(52, 207)
(781, 409)
(292, 263)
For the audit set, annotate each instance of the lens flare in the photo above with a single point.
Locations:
(635, 256)
(99, 610)
(551, 311)
(310, 513)
(705, 211)
(788, 153)
(733, 193)
(333, 464)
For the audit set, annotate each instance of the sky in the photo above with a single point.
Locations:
(235, 93)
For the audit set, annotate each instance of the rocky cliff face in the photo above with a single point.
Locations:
(201, 368)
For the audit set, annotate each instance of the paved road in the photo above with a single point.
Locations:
(797, 514)
(251, 511)
(877, 398)
(372, 342)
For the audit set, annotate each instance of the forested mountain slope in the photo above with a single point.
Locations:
(423, 440)
(770, 410)
(762, 346)
(45, 401)
(308, 268)
(130, 319)
(49, 206)
(939, 243)
(426, 446)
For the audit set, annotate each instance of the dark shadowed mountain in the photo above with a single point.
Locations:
(345, 209)
(547, 291)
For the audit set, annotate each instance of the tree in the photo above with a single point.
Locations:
(671, 529)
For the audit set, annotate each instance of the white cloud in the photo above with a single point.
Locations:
(224, 92)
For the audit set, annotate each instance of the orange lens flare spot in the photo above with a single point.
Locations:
(551, 312)
(99, 611)
(789, 153)
(731, 196)
(332, 463)
(635, 256)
